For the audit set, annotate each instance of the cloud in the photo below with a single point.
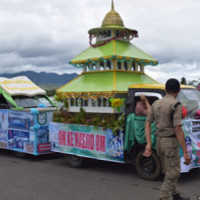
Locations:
(46, 35)
(162, 72)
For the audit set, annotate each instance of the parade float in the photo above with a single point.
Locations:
(99, 120)
(25, 111)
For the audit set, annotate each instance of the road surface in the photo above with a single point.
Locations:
(49, 177)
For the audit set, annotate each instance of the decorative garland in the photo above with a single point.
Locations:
(122, 59)
(131, 35)
(85, 95)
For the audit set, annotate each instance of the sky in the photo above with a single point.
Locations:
(44, 35)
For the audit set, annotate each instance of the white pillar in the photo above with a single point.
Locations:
(111, 65)
(98, 66)
(105, 65)
(129, 66)
(136, 67)
(142, 68)
(122, 65)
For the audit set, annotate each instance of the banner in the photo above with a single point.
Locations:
(3, 129)
(20, 120)
(86, 141)
(25, 131)
(191, 129)
(20, 137)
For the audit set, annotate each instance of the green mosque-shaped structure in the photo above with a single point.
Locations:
(109, 66)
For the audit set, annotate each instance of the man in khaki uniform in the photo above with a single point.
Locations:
(166, 113)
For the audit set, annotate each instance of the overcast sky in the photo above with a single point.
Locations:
(44, 35)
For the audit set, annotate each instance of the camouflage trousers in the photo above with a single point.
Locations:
(168, 150)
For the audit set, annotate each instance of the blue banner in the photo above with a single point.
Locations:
(86, 141)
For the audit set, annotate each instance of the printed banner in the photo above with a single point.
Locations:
(86, 141)
(44, 147)
(24, 131)
(3, 129)
(20, 120)
(17, 139)
(20, 136)
(191, 129)
(43, 144)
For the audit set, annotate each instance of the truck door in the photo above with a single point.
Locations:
(134, 143)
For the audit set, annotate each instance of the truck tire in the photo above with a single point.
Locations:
(148, 168)
(75, 161)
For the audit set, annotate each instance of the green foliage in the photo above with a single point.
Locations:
(112, 121)
(66, 104)
(51, 92)
(193, 83)
(183, 81)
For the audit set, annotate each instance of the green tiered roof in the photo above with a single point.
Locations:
(120, 49)
(88, 84)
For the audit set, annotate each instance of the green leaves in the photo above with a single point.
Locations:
(114, 122)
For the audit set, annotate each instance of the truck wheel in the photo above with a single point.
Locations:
(75, 161)
(148, 168)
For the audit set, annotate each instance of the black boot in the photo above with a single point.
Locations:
(179, 197)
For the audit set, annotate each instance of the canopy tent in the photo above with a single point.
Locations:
(20, 85)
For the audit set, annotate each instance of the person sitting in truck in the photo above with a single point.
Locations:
(142, 107)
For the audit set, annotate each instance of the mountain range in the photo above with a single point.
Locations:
(43, 79)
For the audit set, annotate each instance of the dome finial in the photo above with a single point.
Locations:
(112, 8)
(112, 18)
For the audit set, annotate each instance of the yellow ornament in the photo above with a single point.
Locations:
(117, 103)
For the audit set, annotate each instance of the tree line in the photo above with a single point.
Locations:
(194, 83)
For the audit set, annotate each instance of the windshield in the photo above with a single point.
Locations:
(190, 99)
(32, 102)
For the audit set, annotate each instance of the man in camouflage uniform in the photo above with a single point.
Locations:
(166, 113)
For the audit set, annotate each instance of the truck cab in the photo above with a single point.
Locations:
(151, 91)
(150, 168)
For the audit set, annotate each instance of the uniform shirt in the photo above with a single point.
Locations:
(161, 113)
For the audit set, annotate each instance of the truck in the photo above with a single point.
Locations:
(25, 111)
(125, 143)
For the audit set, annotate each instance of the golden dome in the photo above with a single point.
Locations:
(112, 18)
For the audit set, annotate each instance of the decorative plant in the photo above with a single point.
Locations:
(65, 102)
(113, 121)
(117, 103)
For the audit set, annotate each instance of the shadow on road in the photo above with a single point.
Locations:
(29, 157)
(97, 165)
(108, 167)
(190, 176)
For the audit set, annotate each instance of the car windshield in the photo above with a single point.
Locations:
(190, 99)
(32, 102)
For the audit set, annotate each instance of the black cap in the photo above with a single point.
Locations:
(172, 85)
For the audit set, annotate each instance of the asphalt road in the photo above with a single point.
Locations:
(49, 177)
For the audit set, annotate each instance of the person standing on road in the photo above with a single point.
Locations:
(166, 113)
